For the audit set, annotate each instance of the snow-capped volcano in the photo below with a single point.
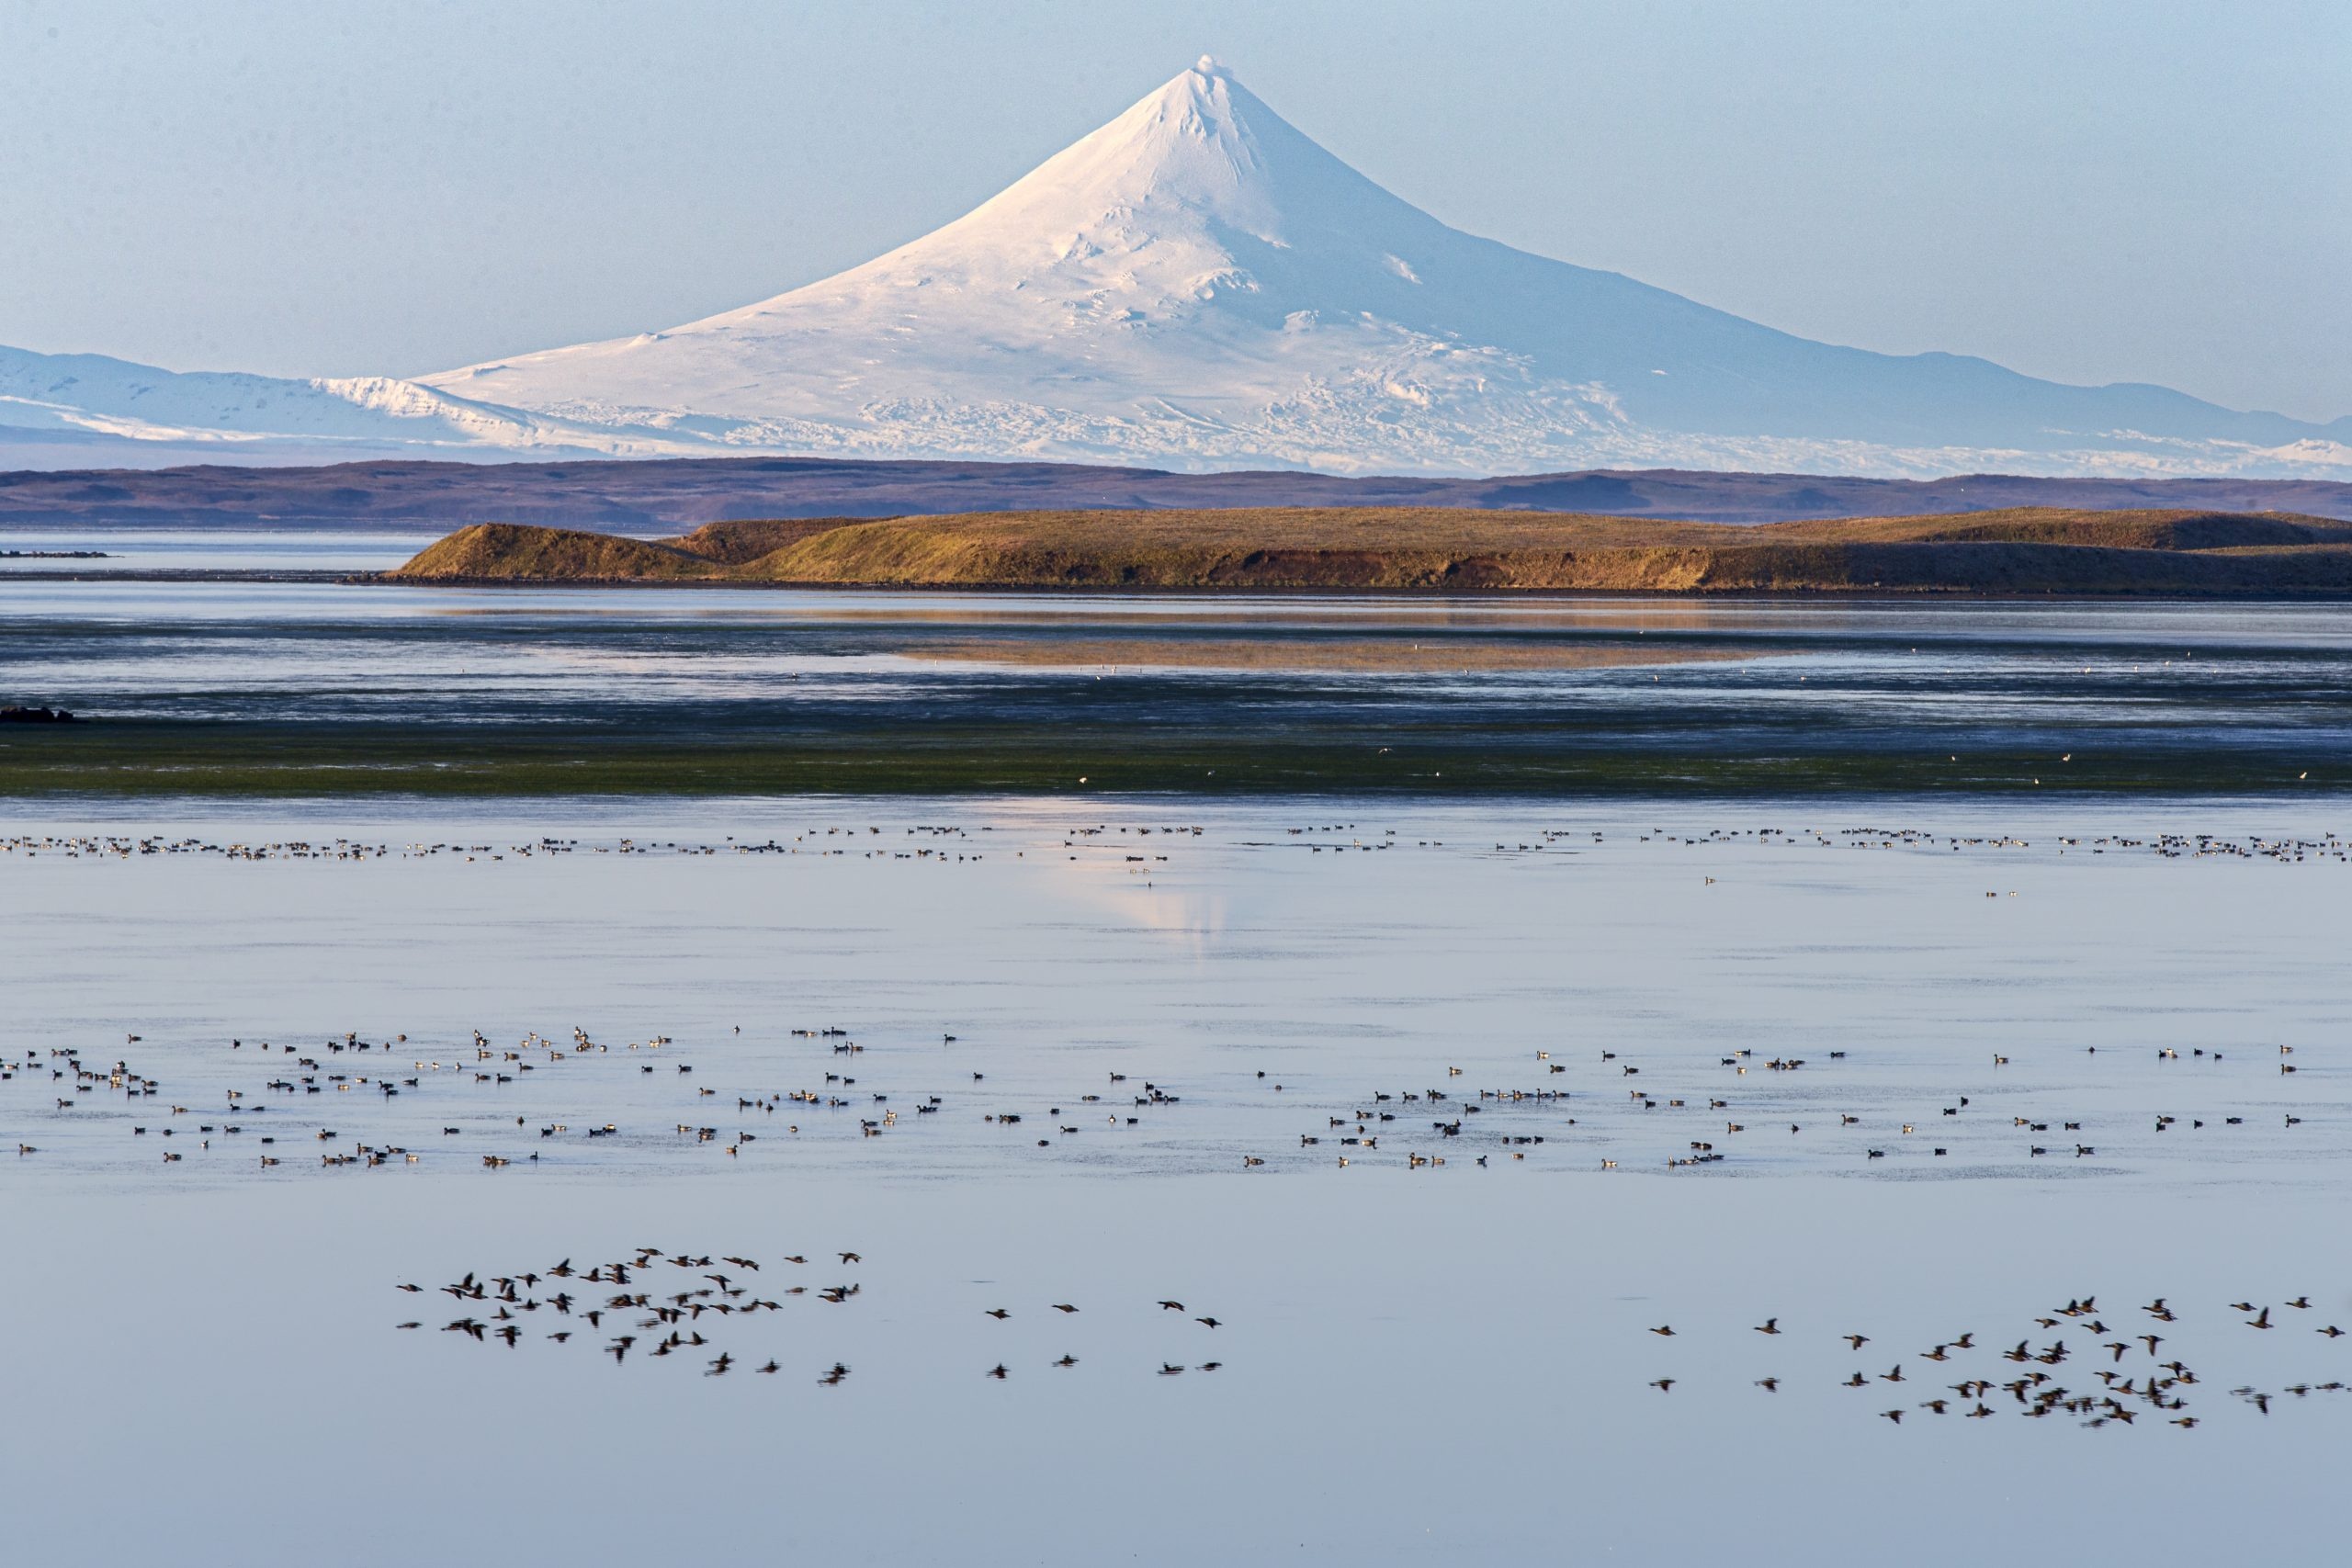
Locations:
(1198, 284)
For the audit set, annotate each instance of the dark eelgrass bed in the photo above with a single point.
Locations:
(326, 759)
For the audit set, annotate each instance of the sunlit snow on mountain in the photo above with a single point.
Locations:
(1199, 286)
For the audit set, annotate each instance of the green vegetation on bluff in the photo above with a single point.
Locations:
(2026, 551)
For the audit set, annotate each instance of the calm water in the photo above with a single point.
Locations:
(1415, 1361)
(2181, 696)
(213, 550)
(1474, 1049)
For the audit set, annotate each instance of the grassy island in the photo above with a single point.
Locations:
(2034, 550)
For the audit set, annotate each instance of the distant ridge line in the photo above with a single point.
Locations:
(663, 496)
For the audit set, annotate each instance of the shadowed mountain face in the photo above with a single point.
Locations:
(664, 497)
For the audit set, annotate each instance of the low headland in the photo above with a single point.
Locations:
(2019, 551)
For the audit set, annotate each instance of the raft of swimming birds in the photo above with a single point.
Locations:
(1689, 1111)
(2120, 1380)
(624, 1306)
(247, 1107)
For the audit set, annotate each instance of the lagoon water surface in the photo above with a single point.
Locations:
(1442, 996)
(307, 687)
(1414, 1361)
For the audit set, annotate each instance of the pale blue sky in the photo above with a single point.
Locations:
(2087, 191)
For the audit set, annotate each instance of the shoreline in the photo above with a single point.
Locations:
(1928, 593)
(1893, 595)
(98, 756)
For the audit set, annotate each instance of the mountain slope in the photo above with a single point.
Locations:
(1200, 285)
(85, 395)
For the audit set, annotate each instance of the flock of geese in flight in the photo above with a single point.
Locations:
(2129, 1375)
(629, 1306)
